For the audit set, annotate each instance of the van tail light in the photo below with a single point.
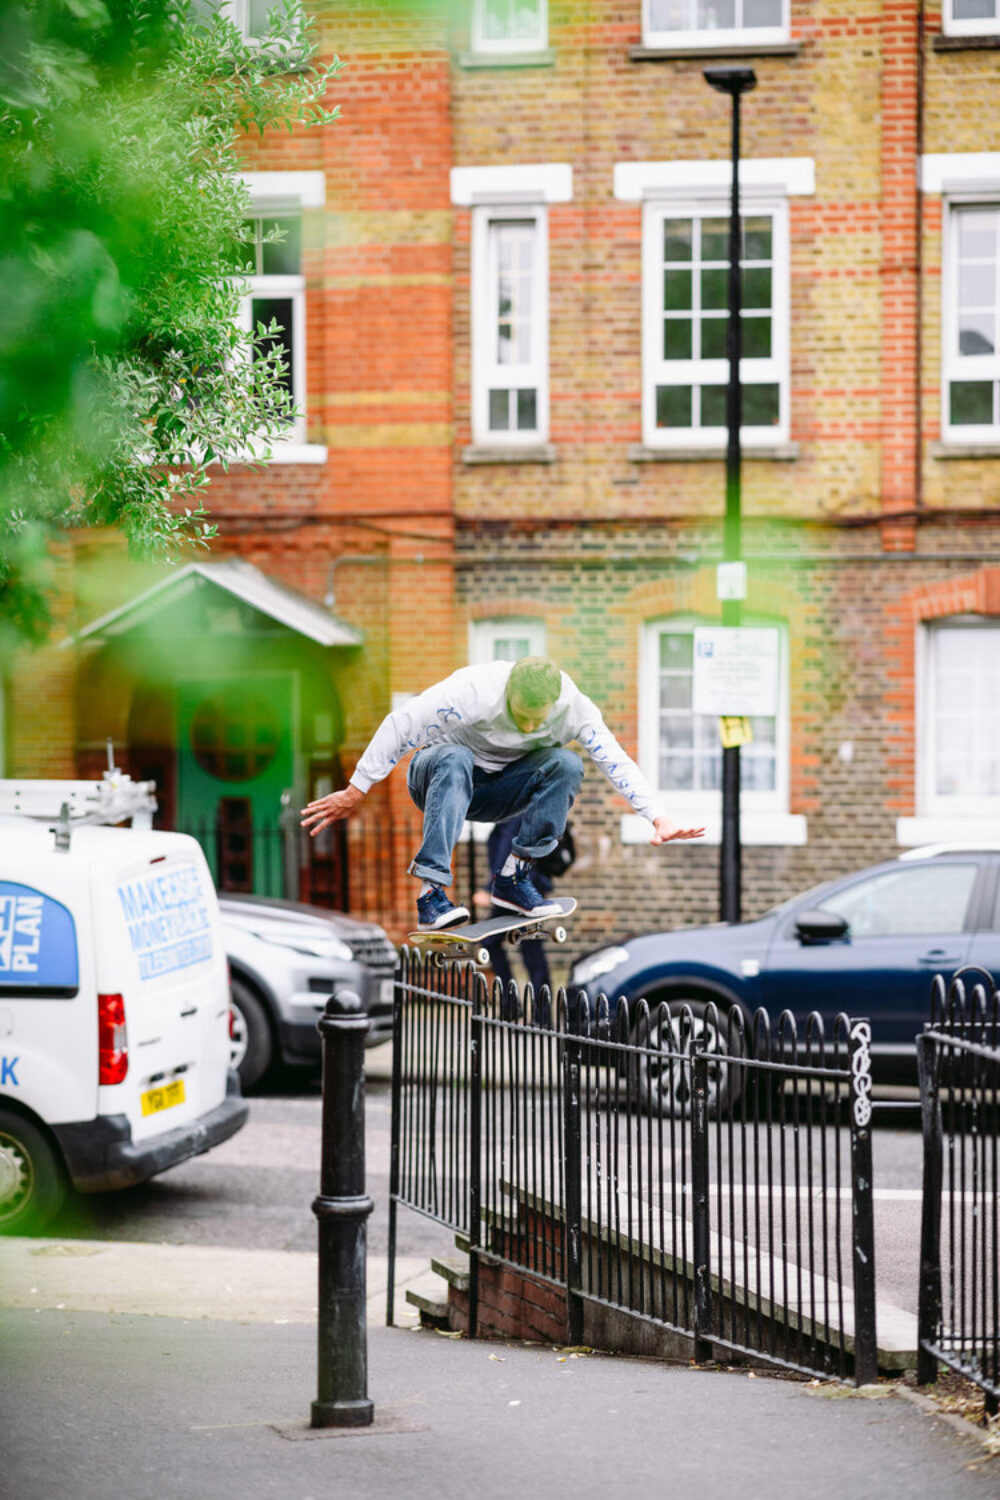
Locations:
(112, 1039)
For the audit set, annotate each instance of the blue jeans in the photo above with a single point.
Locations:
(449, 787)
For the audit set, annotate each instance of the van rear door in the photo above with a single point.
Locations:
(161, 952)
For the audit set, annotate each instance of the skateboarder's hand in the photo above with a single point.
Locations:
(664, 831)
(326, 811)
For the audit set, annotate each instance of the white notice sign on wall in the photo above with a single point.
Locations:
(735, 670)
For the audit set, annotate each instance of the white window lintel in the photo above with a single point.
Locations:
(545, 182)
(960, 172)
(790, 176)
(974, 832)
(286, 189)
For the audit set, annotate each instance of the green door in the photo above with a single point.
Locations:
(235, 756)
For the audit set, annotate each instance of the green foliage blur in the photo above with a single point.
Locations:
(124, 373)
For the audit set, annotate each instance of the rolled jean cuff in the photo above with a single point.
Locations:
(427, 872)
(536, 851)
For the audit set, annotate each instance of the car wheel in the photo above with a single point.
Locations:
(662, 1072)
(32, 1180)
(252, 1044)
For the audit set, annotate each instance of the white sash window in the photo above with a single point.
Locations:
(689, 23)
(510, 25)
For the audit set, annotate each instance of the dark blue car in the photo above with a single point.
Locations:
(868, 944)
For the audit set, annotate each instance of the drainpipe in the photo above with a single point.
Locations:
(918, 312)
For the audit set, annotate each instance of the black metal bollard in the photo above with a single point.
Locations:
(341, 1210)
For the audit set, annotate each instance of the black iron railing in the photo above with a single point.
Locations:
(673, 1165)
(959, 1059)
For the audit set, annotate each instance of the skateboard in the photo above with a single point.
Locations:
(470, 939)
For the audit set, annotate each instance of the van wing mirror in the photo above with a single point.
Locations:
(818, 926)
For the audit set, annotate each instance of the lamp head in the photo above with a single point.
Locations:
(732, 81)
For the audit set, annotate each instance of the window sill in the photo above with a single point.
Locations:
(545, 453)
(781, 830)
(287, 453)
(776, 453)
(965, 450)
(987, 42)
(544, 57)
(734, 49)
(299, 453)
(911, 833)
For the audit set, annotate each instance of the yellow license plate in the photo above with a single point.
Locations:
(153, 1100)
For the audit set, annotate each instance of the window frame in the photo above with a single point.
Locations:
(486, 371)
(294, 288)
(974, 26)
(238, 12)
(930, 802)
(702, 805)
(484, 634)
(276, 195)
(954, 365)
(482, 44)
(776, 369)
(721, 37)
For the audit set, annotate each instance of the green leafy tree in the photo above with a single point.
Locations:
(124, 373)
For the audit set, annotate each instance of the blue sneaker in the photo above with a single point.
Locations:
(519, 893)
(435, 910)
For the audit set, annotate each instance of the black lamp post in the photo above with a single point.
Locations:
(734, 82)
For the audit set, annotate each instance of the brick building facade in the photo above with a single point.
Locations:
(511, 353)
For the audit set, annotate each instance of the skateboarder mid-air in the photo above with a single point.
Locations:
(490, 745)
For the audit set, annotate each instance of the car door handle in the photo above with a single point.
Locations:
(938, 958)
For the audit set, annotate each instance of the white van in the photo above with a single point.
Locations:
(114, 1006)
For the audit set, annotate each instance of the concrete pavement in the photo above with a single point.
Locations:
(148, 1372)
(187, 1281)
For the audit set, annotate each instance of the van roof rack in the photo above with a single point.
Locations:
(75, 804)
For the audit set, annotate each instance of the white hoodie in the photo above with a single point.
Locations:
(470, 708)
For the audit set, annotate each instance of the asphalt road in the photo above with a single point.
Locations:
(256, 1191)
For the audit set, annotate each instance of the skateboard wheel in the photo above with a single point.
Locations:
(559, 933)
(482, 956)
(514, 939)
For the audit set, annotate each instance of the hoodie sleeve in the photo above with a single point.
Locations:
(611, 760)
(423, 720)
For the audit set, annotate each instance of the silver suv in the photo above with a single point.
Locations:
(285, 960)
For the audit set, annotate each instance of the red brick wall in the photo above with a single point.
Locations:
(848, 542)
(512, 1305)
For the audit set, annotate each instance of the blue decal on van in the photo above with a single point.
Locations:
(37, 941)
(7, 1071)
(169, 925)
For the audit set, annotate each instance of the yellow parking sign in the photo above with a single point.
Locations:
(734, 731)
